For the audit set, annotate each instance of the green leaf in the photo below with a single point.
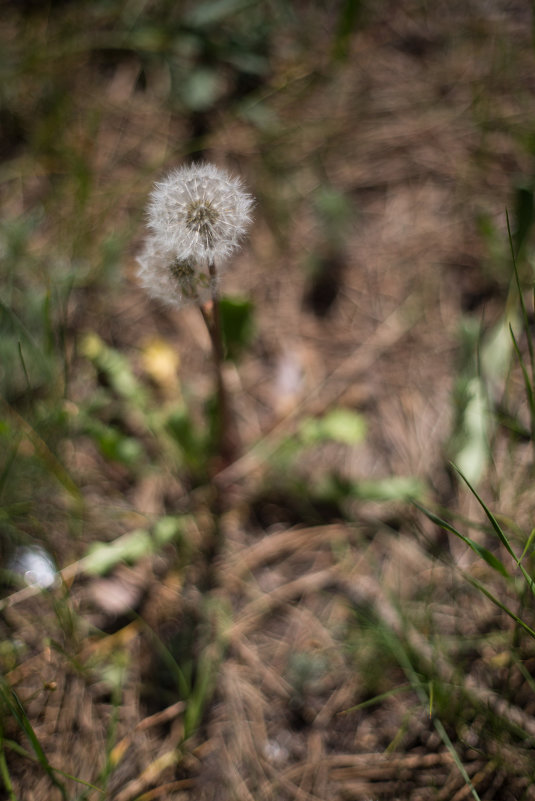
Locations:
(237, 323)
(473, 455)
(115, 446)
(215, 11)
(497, 350)
(185, 433)
(340, 425)
(200, 89)
(116, 368)
(103, 556)
(167, 529)
(394, 488)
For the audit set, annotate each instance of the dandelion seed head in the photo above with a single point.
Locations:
(201, 219)
(35, 567)
(182, 271)
(176, 282)
(201, 213)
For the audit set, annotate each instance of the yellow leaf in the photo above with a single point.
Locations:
(162, 362)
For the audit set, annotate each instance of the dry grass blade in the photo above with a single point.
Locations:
(149, 775)
(247, 560)
(267, 603)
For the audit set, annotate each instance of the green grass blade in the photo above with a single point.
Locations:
(4, 770)
(527, 545)
(19, 713)
(490, 517)
(527, 383)
(203, 688)
(18, 326)
(485, 554)
(499, 531)
(520, 295)
(78, 781)
(9, 461)
(4, 775)
(182, 681)
(455, 756)
(403, 658)
(47, 456)
(111, 741)
(377, 699)
(18, 749)
(522, 669)
(475, 583)
(23, 364)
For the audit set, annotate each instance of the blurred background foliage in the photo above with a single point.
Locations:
(367, 342)
(97, 98)
(77, 82)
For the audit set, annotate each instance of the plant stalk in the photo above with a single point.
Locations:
(227, 434)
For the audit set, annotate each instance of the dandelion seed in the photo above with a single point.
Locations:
(200, 213)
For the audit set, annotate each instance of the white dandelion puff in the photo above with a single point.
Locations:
(197, 218)
(175, 281)
(201, 213)
(35, 566)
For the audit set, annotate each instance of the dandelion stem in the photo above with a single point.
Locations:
(227, 444)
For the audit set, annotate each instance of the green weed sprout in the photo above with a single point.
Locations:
(197, 218)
